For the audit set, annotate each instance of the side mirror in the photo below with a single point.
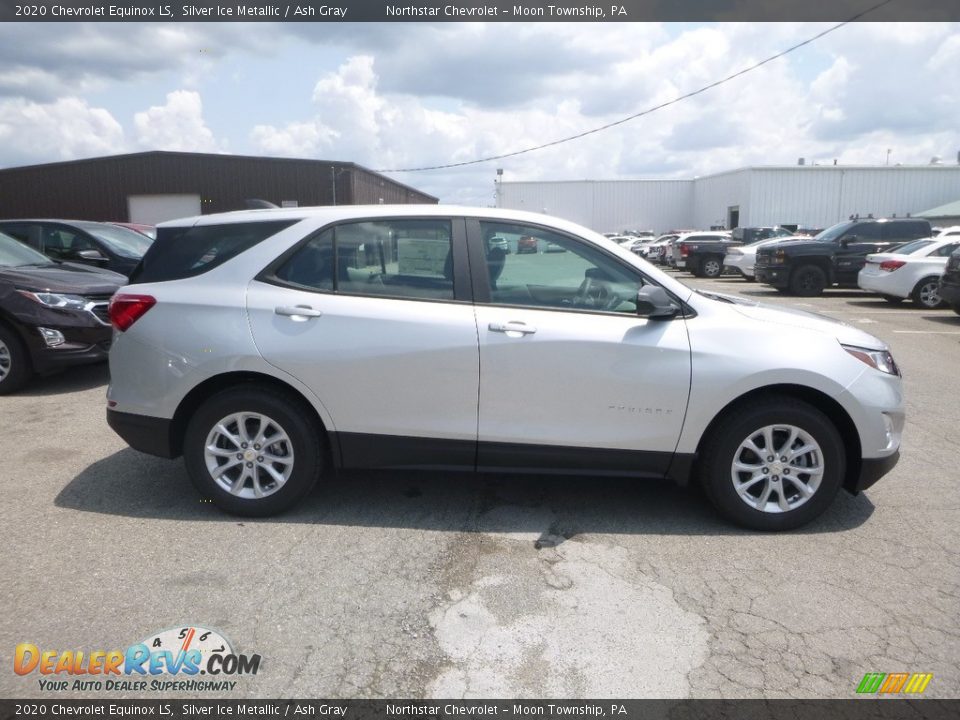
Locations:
(92, 256)
(654, 303)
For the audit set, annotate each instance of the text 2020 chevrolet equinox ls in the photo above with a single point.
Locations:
(270, 346)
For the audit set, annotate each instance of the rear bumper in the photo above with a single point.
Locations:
(150, 435)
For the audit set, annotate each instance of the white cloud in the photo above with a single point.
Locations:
(177, 125)
(62, 130)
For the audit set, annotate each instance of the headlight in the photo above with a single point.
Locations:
(880, 360)
(56, 300)
(779, 257)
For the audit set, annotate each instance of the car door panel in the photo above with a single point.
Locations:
(577, 385)
(384, 367)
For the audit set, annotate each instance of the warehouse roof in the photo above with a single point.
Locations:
(948, 210)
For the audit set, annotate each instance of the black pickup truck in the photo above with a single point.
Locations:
(835, 256)
(702, 253)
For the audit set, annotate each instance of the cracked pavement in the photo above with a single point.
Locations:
(458, 585)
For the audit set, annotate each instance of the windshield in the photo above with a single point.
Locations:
(125, 243)
(14, 253)
(912, 247)
(835, 231)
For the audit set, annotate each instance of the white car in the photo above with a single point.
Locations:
(952, 231)
(744, 257)
(911, 271)
(268, 350)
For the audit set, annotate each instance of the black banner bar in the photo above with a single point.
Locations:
(176, 709)
(474, 10)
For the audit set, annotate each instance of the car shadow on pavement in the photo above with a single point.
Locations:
(552, 507)
(949, 318)
(77, 379)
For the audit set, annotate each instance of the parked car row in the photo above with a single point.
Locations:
(896, 258)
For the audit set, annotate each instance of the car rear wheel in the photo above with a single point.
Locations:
(252, 451)
(808, 281)
(711, 267)
(15, 367)
(773, 465)
(926, 294)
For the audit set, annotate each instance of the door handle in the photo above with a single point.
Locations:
(297, 311)
(512, 327)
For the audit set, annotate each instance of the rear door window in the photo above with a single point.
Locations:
(409, 259)
(182, 252)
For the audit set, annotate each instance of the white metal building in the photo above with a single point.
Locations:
(813, 196)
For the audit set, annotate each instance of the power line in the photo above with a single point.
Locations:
(650, 110)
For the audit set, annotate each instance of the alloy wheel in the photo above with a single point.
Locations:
(249, 455)
(777, 468)
(929, 294)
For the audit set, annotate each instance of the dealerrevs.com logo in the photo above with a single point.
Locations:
(190, 658)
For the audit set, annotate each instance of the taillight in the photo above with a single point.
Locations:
(125, 309)
(891, 265)
(684, 251)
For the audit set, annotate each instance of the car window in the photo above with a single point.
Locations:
(565, 274)
(912, 247)
(410, 259)
(182, 252)
(905, 230)
(865, 231)
(63, 243)
(14, 253)
(946, 250)
(123, 241)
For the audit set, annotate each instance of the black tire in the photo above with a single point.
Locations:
(808, 281)
(956, 309)
(926, 294)
(749, 278)
(15, 367)
(724, 445)
(892, 299)
(285, 412)
(711, 266)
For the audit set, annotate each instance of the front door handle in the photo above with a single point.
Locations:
(298, 312)
(512, 327)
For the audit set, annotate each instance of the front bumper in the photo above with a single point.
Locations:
(82, 345)
(871, 470)
(776, 275)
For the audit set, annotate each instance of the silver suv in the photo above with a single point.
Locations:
(270, 347)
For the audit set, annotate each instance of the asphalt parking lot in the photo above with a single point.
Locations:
(454, 585)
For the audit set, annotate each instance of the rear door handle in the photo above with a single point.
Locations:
(512, 327)
(298, 312)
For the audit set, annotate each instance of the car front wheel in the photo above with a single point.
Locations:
(808, 281)
(252, 451)
(773, 465)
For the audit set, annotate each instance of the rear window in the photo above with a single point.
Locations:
(182, 252)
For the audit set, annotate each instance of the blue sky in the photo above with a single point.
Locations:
(411, 94)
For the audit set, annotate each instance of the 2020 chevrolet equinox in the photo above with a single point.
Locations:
(269, 347)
